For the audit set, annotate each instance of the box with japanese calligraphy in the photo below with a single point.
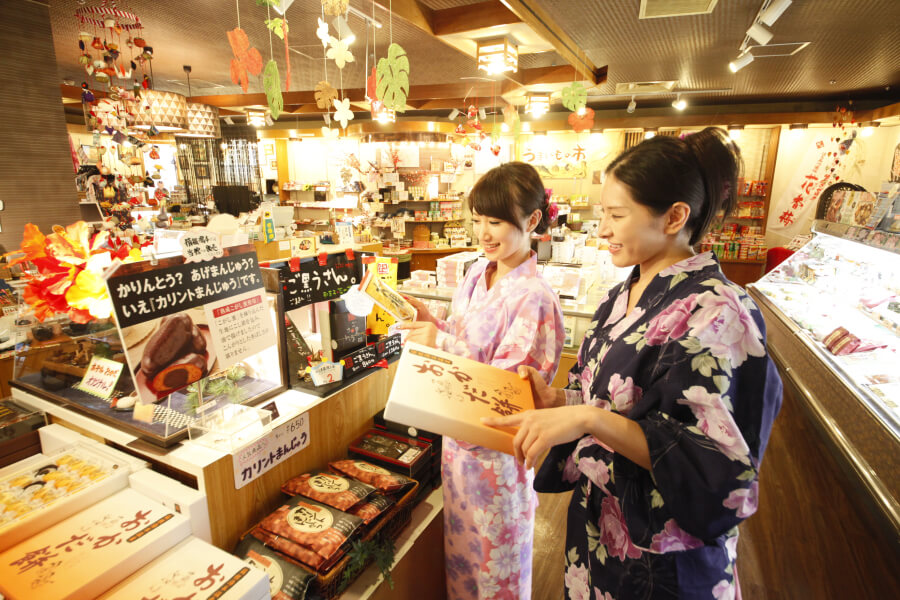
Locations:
(229, 427)
(86, 554)
(184, 337)
(42, 490)
(194, 567)
(448, 394)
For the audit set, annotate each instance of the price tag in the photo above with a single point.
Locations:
(272, 449)
(101, 377)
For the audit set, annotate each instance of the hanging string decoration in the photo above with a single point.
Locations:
(272, 85)
(325, 94)
(583, 122)
(280, 28)
(335, 8)
(393, 78)
(343, 112)
(574, 97)
(110, 22)
(322, 32)
(247, 60)
(339, 52)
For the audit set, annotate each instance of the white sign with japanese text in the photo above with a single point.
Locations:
(101, 377)
(199, 245)
(278, 445)
(240, 326)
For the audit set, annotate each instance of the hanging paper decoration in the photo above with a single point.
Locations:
(322, 33)
(335, 7)
(329, 133)
(393, 78)
(372, 94)
(280, 28)
(325, 94)
(272, 85)
(339, 52)
(583, 122)
(510, 115)
(111, 22)
(342, 112)
(246, 59)
(574, 97)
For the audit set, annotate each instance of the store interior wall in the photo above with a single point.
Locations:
(868, 164)
(35, 171)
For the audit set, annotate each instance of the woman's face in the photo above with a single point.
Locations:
(501, 240)
(635, 234)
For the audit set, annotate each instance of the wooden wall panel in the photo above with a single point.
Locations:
(36, 172)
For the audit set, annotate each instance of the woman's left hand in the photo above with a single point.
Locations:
(421, 332)
(540, 430)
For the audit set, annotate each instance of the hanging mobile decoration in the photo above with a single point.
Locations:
(322, 32)
(335, 8)
(393, 78)
(343, 112)
(339, 52)
(574, 97)
(246, 60)
(111, 21)
(271, 78)
(280, 28)
(325, 94)
(583, 122)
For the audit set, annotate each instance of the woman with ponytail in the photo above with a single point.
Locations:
(503, 314)
(662, 427)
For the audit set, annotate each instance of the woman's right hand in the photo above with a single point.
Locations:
(422, 313)
(544, 395)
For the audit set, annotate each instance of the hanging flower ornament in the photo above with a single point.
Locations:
(70, 266)
(342, 112)
(583, 122)
(322, 33)
(246, 59)
(339, 52)
(330, 133)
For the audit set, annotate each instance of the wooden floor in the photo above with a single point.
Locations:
(807, 540)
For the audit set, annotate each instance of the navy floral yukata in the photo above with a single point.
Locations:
(689, 365)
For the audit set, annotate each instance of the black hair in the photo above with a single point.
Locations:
(700, 170)
(510, 193)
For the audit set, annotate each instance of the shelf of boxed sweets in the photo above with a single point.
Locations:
(736, 243)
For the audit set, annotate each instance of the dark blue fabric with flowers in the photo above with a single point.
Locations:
(689, 365)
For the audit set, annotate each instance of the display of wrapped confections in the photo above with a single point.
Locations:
(334, 490)
(372, 507)
(288, 580)
(383, 480)
(194, 567)
(845, 296)
(31, 490)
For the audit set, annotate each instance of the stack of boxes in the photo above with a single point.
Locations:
(734, 242)
(451, 269)
(421, 280)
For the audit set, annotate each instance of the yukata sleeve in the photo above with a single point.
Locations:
(715, 394)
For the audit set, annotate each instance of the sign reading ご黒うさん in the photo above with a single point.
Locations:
(317, 282)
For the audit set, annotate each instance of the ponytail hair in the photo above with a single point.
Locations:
(700, 170)
(511, 192)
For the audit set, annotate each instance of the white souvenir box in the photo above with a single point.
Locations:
(194, 566)
(54, 509)
(85, 555)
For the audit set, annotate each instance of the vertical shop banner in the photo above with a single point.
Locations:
(182, 321)
(316, 282)
(792, 213)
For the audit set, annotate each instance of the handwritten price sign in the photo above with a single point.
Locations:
(275, 447)
(198, 246)
(101, 377)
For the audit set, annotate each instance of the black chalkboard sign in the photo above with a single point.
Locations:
(315, 282)
(388, 346)
(359, 360)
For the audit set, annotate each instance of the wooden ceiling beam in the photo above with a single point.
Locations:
(306, 109)
(413, 11)
(538, 19)
(470, 17)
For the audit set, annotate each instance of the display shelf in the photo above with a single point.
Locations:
(752, 261)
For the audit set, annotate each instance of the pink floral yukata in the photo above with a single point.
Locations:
(489, 502)
(689, 365)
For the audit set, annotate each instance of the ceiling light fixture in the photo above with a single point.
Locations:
(740, 62)
(167, 111)
(386, 115)
(773, 11)
(342, 29)
(581, 111)
(202, 121)
(269, 120)
(281, 6)
(229, 120)
(869, 128)
(631, 106)
(256, 118)
(735, 131)
(760, 34)
(537, 103)
(526, 127)
(453, 114)
(679, 103)
(497, 55)
(649, 133)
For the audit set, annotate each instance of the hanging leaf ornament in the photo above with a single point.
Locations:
(272, 85)
(581, 123)
(393, 78)
(325, 94)
(322, 32)
(335, 7)
(246, 59)
(574, 96)
(277, 26)
(339, 52)
(342, 112)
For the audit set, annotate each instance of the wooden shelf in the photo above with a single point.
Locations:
(754, 261)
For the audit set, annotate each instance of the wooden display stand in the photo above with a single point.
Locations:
(334, 422)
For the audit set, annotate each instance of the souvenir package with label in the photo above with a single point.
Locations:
(194, 568)
(46, 489)
(288, 580)
(402, 454)
(301, 554)
(18, 432)
(385, 481)
(86, 554)
(373, 507)
(334, 490)
(313, 526)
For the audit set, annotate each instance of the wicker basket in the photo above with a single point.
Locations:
(388, 527)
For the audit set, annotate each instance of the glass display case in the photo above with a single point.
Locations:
(832, 313)
(184, 338)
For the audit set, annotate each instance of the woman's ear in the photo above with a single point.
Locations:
(533, 221)
(677, 217)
